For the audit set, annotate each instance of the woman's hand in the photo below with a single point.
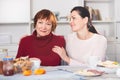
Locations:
(62, 53)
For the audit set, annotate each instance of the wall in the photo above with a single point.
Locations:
(16, 19)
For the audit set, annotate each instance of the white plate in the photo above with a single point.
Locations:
(108, 64)
(107, 70)
(87, 73)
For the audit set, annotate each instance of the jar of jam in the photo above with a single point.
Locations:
(8, 67)
(1, 67)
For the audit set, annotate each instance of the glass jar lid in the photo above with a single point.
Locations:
(7, 59)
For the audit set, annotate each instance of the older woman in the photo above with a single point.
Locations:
(41, 42)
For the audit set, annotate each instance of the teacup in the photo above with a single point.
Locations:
(118, 72)
(35, 63)
(93, 61)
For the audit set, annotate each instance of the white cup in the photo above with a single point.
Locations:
(35, 63)
(118, 72)
(93, 61)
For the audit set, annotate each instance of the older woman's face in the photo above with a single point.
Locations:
(43, 27)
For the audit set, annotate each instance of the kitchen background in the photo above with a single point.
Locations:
(16, 20)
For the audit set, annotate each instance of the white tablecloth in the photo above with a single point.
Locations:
(60, 73)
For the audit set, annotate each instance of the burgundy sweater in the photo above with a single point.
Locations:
(41, 47)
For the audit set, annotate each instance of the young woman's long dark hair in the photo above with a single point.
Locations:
(83, 12)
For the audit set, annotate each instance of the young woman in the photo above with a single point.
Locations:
(41, 42)
(84, 41)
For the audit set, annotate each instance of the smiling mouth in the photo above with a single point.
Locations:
(43, 31)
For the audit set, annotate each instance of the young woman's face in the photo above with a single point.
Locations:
(43, 27)
(76, 21)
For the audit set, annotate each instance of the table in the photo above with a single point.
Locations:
(60, 73)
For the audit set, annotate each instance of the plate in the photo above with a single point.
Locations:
(108, 64)
(89, 72)
(107, 70)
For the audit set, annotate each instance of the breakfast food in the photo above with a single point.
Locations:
(27, 72)
(21, 64)
(39, 71)
(95, 71)
(89, 72)
(85, 72)
(109, 64)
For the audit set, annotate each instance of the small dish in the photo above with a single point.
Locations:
(89, 72)
(108, 66)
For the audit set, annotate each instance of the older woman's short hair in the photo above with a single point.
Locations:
(48, 15)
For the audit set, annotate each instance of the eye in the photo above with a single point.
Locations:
(49, 24)
(40, 22)
(72, 18)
